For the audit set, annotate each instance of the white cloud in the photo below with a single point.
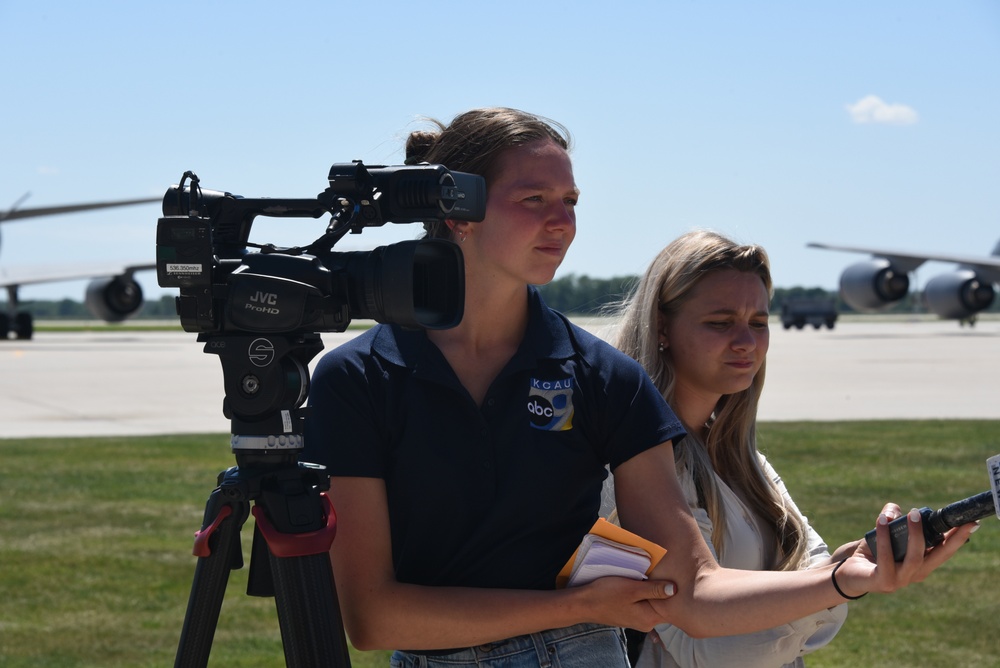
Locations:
(872, 109)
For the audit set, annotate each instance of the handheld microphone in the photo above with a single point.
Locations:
(936, 522)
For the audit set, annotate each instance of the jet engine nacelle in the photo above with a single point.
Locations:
(959, 294)
(873, 285)
(115, 298)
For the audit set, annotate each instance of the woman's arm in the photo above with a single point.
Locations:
(382, 613)
(711, 600)
(778, 645)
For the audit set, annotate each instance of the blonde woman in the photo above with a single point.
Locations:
(698, 323)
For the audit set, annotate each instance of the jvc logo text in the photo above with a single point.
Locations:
(263, 302)
(268, 298)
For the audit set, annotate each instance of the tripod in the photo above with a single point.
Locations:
(266, 381)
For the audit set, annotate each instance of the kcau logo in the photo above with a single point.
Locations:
(550, 404)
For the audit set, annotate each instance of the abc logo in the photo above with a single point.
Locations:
(541, 411)
(550, 404)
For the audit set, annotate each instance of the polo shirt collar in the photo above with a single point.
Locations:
(547, 337)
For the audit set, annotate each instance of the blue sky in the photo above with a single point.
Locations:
(780, 123)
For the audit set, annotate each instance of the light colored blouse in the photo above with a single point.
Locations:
(748, 546)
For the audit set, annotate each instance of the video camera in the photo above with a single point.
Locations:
(202, 248)
(261, 312)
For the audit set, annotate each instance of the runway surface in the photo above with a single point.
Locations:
(127, 383)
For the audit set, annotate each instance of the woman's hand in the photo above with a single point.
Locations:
(862, 573)
(617, 601)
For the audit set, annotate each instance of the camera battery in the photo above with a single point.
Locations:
(184, 252)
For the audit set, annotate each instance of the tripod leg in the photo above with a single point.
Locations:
(312, 629)
(209, 586)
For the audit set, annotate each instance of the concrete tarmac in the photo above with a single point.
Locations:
(140, 383)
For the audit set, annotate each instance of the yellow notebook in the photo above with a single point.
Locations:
(608, 549)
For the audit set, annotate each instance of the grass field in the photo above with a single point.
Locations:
(96, 537)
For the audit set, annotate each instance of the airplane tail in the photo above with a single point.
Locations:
(996, 249)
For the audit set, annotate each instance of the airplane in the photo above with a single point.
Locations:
(877, 283)
(112, 295)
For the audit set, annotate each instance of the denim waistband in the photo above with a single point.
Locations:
(541, 646)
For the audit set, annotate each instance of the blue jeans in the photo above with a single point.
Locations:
(580, 646)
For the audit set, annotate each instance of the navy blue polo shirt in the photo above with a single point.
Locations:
(497, 495)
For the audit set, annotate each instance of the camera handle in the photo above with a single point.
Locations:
(266, 381)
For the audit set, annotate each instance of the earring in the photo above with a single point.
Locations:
(661, 347)
(462, 236)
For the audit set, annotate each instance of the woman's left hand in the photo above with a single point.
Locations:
(862, 573)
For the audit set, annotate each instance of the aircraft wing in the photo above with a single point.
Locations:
(909, 261)
(112, 293)
(17, 213)
(30, 275)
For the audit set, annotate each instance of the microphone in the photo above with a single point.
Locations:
(936, 522)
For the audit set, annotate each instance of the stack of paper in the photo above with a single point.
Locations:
(599, 557)
(610, 550)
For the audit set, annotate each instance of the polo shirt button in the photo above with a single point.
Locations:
(491, 402)
(487, 464)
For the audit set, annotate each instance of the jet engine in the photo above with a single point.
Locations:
(873, 285)
(959, 294)
(114, 298)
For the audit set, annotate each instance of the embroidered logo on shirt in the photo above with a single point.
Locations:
(550, 404)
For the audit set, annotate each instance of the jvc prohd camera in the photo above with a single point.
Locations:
(202, 248)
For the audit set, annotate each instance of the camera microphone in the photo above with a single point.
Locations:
(936, 522)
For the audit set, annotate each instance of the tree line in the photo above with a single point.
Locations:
(583, 295)
(573, 295)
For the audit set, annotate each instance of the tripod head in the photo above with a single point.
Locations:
(266, 381)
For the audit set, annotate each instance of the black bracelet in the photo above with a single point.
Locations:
(833, 577)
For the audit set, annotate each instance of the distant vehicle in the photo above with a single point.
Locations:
(801, 312)
(112, 294)
(875, 284)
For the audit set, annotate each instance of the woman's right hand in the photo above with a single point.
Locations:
(617, 601)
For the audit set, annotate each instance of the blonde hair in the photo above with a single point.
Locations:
(730, 446)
